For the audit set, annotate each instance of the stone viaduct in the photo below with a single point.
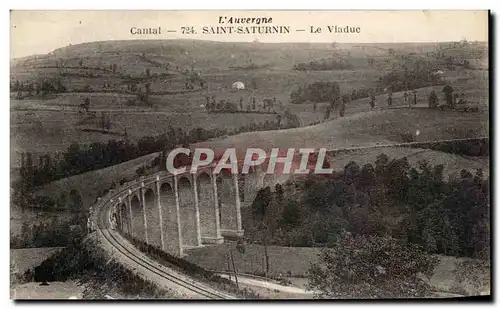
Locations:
(179, 212)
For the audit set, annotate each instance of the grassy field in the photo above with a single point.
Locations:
(364, 129)
(281, 259)
(23, 259)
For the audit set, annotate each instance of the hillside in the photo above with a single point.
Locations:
(90, 184)
(170, 58)
(364, 129)
(181, 74)
(217, 53)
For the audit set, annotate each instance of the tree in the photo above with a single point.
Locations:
(241, 103)
(59, 85)
(351, 173)
(16, 86)
(370, 267)
(30, 88)
(433, 99)
(291, 215)
(367, 176)
(240, 246)
(259, 209)
(448, 94)
(278, 120)
(72, 157)
(105, 122)
(75, 199)
(254, 83)
(436, 231)
(86, 104)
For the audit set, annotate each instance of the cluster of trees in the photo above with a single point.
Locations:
(263, 126)
(191, 79)
(79, 159)
(71, 201)
(475, 147)
(221, 106)
(316, 92)
(413, 205)
(400, 80)
(361, 93)
(413, 74)
(324, 65)
(410, 76)
(379, 225)
(450, 96)
(450, 61)
(133, 84)
(266, 105)
(46, 86)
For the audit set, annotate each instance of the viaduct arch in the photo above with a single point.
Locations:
(178, 212)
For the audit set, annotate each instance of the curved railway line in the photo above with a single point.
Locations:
(194, 288)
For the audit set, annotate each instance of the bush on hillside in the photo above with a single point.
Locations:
(371, 267)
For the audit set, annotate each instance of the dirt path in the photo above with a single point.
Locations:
(269, 285)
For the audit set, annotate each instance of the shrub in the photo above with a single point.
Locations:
(90, 264)
(370, 267)
(316, 92)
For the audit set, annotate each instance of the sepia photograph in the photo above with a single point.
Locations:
(250, 155)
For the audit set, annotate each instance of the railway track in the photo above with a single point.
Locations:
(139, 259)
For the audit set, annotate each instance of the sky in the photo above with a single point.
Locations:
(40, 32)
